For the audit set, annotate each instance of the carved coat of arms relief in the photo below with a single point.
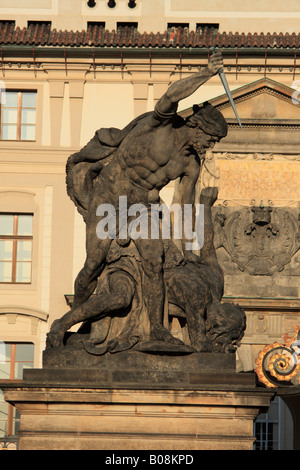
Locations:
(260, 240)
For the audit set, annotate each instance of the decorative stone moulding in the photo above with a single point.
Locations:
(278, 364)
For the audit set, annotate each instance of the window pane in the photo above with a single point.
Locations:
(19, 367)
(24, 250)
(23, 273)
(3, 415)
(6, 224)
(6, 249)
(3, 428)
(10, 116)
(5, 371)
(28, 100)
(5, 271)
(25, 224)
(16, 421)
(2, 97)
(16, 414)
(9, 132)
(10, 422)
(28, 116)
(11, 99)
(5, 352)
(17, 426)
(27, 132)
(3, 410)
(24, 352)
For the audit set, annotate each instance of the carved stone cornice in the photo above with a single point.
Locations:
(251, 94)
(267, 304)
(282, 124)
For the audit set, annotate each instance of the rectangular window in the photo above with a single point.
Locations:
(202, 27)
(178, 25)
(130, 25)
(18, 115)
(9, 23)
(99, 24)
(15, 248)
(46, 24)
(14, 358)
(266, 428)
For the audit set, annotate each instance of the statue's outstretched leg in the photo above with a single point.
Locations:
(86, 281)
(85, 285)
(97, 306)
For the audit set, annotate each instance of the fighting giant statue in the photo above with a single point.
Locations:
(128, 287)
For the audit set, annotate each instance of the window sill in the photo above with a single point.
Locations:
(21, 141)
(15, 283)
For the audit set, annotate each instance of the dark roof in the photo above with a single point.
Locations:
(97, 36)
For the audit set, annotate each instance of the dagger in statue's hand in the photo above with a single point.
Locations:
(226, 88)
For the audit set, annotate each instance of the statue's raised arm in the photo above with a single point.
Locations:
(187, 86)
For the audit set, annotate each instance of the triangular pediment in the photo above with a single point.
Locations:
(260, 101)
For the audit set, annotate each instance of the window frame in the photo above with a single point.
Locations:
(15, 238)
(131, 25)
(173, 26)
(267, 428)
(201, 27)
(19, 109)
(11, 410)
(98, 24)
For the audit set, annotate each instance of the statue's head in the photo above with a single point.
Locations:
(209, 120)
(225, 326)
(209, 124)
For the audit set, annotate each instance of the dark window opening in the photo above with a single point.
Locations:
(10, 23)
(99, 24)
(129, 25)
(47, 24)
(201, 27)
(178, 25)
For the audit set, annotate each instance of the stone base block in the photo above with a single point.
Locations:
(134, 368)
(57, 414)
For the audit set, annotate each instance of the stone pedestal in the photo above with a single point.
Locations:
(161, 406)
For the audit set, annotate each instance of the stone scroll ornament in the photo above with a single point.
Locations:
(278, 364)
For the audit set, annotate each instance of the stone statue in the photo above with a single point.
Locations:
(210, 171)
(134, 279)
